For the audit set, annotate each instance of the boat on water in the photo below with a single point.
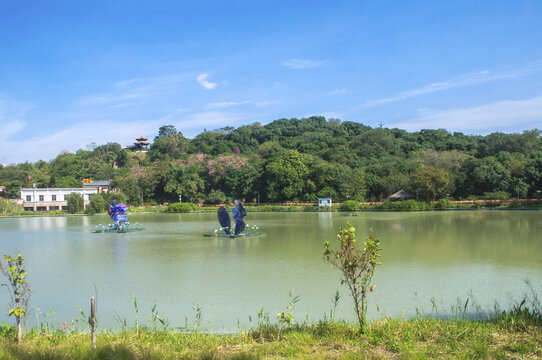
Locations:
(117, 212)
(241, 229)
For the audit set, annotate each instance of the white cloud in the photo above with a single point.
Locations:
(202, 79)
(484, 119)
(302, 63)
(465, 80)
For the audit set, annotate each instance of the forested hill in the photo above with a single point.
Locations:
(300, 160)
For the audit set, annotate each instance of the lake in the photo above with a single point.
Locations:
(441, 256)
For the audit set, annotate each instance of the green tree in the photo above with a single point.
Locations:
(430, 183)
(487, 175)
(169, 143)
(185, 181)
(285, 176)
(357, 266)
(97, 204)
(67, 168)
(216, 197)
(75, 203)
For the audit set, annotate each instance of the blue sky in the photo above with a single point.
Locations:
(77, 72)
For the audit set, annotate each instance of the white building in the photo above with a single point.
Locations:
(324, 202)
(49, 199)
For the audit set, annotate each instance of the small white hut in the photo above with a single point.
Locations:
(324, 202)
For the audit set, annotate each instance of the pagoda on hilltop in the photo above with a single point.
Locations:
(140, 145)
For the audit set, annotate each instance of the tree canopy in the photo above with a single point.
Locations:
(299, 160)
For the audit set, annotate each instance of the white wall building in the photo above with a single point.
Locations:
(49, 199)
(324, 202)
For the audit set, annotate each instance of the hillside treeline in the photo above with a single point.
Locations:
(300, 160)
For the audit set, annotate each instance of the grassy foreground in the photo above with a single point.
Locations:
(508, 337)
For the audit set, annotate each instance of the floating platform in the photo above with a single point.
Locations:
(233, 236)
(112, 228)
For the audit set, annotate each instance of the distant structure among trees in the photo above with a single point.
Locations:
(401, 194)
(140, 145)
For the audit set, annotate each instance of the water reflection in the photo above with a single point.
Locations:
(41, 222)
(325, 220)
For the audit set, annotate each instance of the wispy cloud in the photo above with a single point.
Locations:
(483, 119)
(75, 137)
(202, 79)
(192, 124)
(302, 63)
(338, 92)
(465, 80)
(131, 91)
(12, 117)
(226, 104)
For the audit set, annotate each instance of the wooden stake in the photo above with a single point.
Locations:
(92, 322)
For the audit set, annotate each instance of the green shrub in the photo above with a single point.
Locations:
(151, 202)
(8, 207)
(515, 204)
(496, 195)
(386, 204)
(443, 204)
(350, 205)
(181, 207)
(410, 205)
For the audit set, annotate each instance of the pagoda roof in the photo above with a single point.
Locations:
(142, 143)
(142, 138)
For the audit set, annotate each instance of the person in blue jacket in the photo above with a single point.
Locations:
(239, 213)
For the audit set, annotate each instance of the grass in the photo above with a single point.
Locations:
(506, 337)
(512, 334)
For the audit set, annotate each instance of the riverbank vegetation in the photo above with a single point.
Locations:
(99, 206)
(299, 160)
(8, 207)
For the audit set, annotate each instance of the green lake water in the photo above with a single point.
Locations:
(441, 255)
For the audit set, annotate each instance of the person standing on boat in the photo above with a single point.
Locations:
(239, 213)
